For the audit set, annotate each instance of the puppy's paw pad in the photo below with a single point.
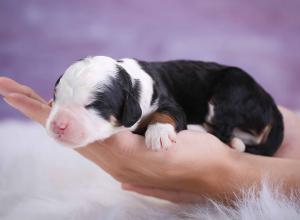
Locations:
(160, 136)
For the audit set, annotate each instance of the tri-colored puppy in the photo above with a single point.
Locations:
(99, 96)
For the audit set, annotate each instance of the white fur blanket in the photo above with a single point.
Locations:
(41, 180)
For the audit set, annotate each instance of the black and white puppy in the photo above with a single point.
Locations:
(99, 96)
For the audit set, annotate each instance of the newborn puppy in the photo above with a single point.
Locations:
(99, 96)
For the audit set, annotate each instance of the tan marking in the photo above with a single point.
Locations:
(156, 117)
(253, 138)
(50, 102)
(265, 134)
(207, 127)
(114, 121)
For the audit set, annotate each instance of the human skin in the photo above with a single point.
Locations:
(196, 166)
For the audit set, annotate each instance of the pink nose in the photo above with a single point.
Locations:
(58, 127)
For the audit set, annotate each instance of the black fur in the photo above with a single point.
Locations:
(184, 89)
(119, 99)
(56, 83)
(131, 108)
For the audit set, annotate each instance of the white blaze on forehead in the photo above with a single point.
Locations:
(83, 77)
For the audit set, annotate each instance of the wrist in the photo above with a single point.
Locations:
(235, 172)
(219, 177)
(230, 170)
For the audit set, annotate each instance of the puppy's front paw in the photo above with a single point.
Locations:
(160, 136)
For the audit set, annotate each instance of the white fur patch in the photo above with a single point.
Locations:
(237, 144)
(211, 113)
(136, 72)
(76, 90)
(246, 137)
(86, 126)
(160, 136)
(82, 78)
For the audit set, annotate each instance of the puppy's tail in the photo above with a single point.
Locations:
(274, 139)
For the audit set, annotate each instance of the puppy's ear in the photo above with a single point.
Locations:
(131, 111)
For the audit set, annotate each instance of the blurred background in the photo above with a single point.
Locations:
(39, 39)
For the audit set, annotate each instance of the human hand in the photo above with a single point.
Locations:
(130, 162)
(195, 165)
(290, 147)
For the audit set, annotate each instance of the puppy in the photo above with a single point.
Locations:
(99, 96)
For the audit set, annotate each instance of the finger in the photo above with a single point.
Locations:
(170, 195)
(130, 149)
(8, 85)
(33, 109)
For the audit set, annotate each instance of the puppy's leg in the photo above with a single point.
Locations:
(237, 144)
(161, 132)
(163, 125)
(222, 121)
(225, 133)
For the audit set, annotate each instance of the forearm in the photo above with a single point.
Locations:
(244, 171)
(193, 157)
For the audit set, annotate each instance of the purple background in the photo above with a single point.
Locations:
(39, 39)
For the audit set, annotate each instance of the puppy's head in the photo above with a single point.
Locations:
(93, 99)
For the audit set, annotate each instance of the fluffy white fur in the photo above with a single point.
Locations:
(40, 180)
